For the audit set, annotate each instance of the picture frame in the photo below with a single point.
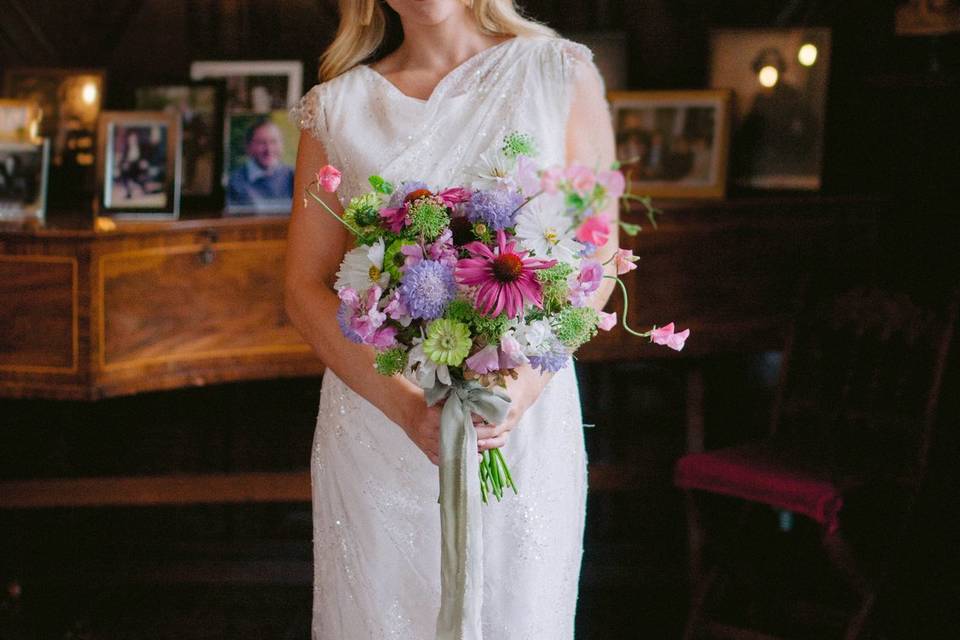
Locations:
(780, 80)
(19, 120)
(24, 171)
(673, 144)
(200, 108)
(138, 174)
(259, 157)
(257, 86)
(70, 101)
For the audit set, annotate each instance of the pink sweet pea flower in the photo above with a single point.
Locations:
(665, 336)
(526, 176)
(581, 178)
(396, 218)
(594, 230)
(485, 361)
(397, 310)
(607, 320)
(613, 182)
(329, 178)
(511, 353)
(384, 337)
(625, 261)
(583, 284)
(365, 317)
(550, 179)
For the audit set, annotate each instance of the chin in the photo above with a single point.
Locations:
(427, 11)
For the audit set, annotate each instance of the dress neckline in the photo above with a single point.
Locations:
(448, 77)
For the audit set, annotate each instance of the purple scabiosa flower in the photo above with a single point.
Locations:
(426, 289)
(496, 208)
(403, 190)
(552, 359)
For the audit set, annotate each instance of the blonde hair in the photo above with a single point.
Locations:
(363, 27)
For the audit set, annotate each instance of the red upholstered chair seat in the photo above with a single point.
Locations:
(757, 472)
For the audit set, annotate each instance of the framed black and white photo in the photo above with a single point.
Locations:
(69, 101)
(19, 120)
(139, 169)
(257, 86)
(23, 181)
(199, 106)
(673, 144)
(259, 158)
(779, 78)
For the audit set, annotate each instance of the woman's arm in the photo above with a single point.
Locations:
(589, 142)
(315, 246)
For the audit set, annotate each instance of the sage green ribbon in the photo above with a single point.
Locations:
(461, 524)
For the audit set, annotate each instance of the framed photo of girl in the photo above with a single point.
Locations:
(138, 172)
(24, 167)
(673, 144)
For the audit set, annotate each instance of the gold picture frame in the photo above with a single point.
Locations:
(673, 144)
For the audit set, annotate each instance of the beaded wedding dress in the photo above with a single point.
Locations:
(376, 517)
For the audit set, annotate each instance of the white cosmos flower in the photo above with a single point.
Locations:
(363, 267)
(547, 232)
(494, 170)
(421, 370)
(535, 338)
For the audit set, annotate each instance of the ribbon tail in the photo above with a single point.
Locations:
(461, 525)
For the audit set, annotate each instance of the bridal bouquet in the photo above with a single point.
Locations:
(454, 284)
(456, 287)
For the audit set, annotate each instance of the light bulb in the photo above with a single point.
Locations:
(768, 76)
(89, 93)
(807, 55)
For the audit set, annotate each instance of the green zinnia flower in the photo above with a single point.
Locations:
(448, 342)
(574, 326)
(553, 284)
(428, 217)
(519, 144)
(391, 362)
(393, 259)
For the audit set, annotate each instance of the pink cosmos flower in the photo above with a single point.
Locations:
(613, 182)
(583, 284)
(329, 178)
(550, 179)
(666, 336)
(581, 178)
(504, 277)
(607, 320)
(595, 230)
(625, 261)
(396, 218)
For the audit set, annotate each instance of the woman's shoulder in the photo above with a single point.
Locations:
(313, 109)
(557, 49)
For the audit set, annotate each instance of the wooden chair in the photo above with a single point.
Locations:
(848, 444)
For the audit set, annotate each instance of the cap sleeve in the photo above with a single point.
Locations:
(577, 75)
(309, 114)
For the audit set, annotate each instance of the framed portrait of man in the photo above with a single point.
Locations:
(23, 182)
(139, 168)
(259, 157)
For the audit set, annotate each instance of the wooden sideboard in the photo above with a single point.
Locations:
(148, 306)
(161, 305)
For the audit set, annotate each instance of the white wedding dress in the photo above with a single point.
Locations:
(376, 517)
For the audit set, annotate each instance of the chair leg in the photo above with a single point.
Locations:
(841, 555)
(695, 539)
(859, 620)
(695, 616)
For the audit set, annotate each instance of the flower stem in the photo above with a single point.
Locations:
(349, 226)
(626, 303)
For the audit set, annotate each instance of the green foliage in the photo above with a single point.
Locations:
(574, 326)
(519, 144)
(391, 362)
(553, 283)
(380, 185)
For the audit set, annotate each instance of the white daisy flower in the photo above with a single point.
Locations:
(494, 170)
(547, 232)
(363, 267)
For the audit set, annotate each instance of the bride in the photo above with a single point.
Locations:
(466, 73)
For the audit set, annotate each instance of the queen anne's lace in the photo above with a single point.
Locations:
(376, 519)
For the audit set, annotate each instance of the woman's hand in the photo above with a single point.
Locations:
(523, 392)
(424, 430)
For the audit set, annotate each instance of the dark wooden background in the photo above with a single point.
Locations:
(893, 131)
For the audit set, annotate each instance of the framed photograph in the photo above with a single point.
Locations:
(259, 156)
(138, 176)
(69, 101)
(199, 107)
(779, 79)
(23, 181)
(673, 144)
(255, 86)
(19, 120)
